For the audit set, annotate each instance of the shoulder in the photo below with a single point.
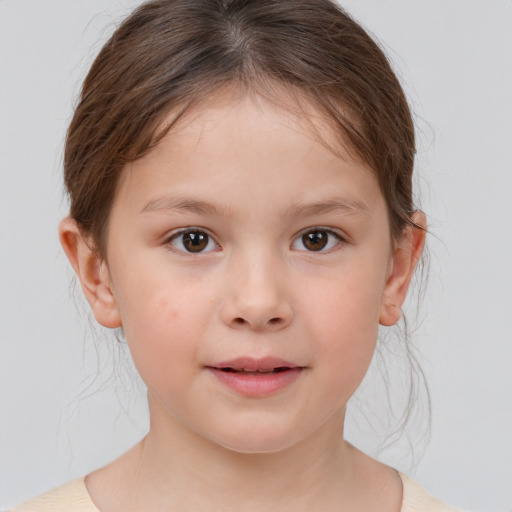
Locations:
(416, 499)
(70, 497)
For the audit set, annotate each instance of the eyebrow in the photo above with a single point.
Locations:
(348, 206)
(187, 205)
(190, 205)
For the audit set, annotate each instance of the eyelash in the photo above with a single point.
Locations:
(201, 234)
(330, 234)
(191, 231)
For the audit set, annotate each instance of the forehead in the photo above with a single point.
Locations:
(271, 101)
(282, 151)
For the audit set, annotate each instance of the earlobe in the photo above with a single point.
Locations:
(92, 271)
(405, 258)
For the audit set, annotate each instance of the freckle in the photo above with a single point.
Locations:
(163, 309)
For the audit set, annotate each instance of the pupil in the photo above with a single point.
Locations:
(315, 241)
(195, 241)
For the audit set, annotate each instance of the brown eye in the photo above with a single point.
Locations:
(193, 241)
(315, 240)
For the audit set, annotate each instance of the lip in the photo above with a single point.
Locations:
(252, 364)
(252, 377)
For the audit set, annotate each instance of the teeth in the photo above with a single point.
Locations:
(252, 370)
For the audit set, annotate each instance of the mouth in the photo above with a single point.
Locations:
(249, 365)
(246, 371)
(256, 377)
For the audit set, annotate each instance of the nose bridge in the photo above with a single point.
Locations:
(256, 296)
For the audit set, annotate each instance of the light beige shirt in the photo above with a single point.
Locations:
(73, 497)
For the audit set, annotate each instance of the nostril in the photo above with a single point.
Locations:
(272, 323)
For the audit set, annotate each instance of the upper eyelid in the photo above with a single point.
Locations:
(180, 231)
(339, 234)
(341, 239)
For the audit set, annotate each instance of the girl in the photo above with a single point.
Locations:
(239, 173)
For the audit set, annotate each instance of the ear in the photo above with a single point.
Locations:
(405, 258)
(92, 271)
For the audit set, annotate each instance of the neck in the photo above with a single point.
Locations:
(173, 468)
(176, 458)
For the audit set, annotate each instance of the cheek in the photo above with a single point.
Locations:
(344, 316)
(163, 320)
(348, 306)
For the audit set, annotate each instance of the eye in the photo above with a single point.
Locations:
(193, 241)
(317, 240)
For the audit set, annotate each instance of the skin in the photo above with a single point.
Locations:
(254, 178)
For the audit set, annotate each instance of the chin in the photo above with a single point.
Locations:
(257, 439)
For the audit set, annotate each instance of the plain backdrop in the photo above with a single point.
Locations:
(64, 411)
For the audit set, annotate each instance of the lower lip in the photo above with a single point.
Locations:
(257, 385)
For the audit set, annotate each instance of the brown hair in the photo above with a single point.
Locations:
(169, 54)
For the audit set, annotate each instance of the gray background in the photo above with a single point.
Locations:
(63, 411)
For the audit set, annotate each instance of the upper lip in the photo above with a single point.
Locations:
(251, 364)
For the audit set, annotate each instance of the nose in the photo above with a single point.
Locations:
(255, 296)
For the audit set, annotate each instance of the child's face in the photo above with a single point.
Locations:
(242, 236)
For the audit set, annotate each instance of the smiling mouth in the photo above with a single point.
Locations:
(256, 377)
